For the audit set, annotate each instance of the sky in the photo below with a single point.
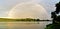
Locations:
(7, 5)
(28, 10)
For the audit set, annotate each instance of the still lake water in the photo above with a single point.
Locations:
(23, 25)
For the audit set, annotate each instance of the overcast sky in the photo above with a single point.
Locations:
(7, 5)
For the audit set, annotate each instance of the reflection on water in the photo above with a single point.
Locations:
(23, 25)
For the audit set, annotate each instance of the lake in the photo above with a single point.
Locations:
(23, 25)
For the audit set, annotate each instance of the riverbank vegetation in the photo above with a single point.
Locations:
(53, 26)
(55, 15)
(26, 19)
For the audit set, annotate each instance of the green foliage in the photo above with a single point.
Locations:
(26, 19)
(53, 26)
(56, 18)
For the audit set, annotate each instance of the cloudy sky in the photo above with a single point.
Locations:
(7, 5)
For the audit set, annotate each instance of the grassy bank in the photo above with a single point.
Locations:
(53, 26)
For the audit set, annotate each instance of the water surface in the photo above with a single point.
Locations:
(23, 25)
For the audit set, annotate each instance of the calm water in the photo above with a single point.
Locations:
(23, 25)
